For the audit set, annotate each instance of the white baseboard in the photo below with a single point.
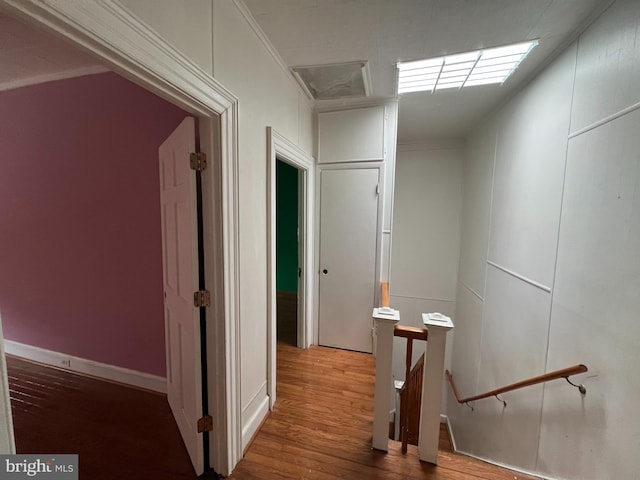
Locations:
(251, 426)
(254, 414)
(445, 419)
(87, 367)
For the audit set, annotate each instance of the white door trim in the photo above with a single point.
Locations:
(128, 46)
(278, 146)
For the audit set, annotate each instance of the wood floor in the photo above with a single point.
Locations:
(118, 432)
(322, 423)
(320, 429)
(286, 315)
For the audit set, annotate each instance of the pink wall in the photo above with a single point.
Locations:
(80, 245)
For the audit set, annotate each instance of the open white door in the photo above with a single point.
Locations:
(180, 268)
(348, 242)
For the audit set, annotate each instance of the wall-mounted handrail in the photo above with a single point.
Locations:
(564, 373)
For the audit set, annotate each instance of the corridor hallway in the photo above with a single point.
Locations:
(322, 424)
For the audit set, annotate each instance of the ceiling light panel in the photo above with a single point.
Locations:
(481, 67)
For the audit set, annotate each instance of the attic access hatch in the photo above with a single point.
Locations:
(335, 81)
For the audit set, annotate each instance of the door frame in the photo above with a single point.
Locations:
(115, 36)
(380, 166)
(280, 148)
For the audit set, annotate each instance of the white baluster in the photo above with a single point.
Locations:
(432, 386)
(384, 324)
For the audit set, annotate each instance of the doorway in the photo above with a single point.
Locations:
(288, 270)
(299, 169)
(201, 97)
(84, 240)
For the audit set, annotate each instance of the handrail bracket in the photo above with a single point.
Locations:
(581, 388)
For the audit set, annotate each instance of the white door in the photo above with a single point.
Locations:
(180, 267)
(348, 231)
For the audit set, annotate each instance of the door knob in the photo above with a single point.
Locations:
(325, 271)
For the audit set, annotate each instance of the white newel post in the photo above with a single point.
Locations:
(384, 324)
(438, 326)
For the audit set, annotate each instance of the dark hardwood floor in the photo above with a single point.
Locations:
(286, 314)
(118, 432)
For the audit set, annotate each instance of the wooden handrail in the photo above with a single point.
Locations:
(384, 294)
(414, 333)
(564, 373)
(411, 334)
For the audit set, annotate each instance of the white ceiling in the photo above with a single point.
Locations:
(29, 56)
(313, 32)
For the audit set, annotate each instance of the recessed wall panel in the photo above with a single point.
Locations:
(351, 135)
(478, 177)
(426, 224)
(608, 69)
(595, 309)
(468, 334)
(528, 177)
(513, 348)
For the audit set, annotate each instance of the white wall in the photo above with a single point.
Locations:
(426, 237)
(268, 97)
(188, 26)
(549, 270)
(216, 35)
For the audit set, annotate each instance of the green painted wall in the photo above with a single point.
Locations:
(286, 227)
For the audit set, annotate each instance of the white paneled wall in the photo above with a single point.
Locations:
(426, 236)
(608, 69)
(351, 135)
(529, 171)
(187, 26)
(217, 36)
(595, 307)
(476, 212)
(268, 97)
(560, 282)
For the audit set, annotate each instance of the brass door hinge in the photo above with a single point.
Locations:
(202, 298)
(205, 424)
(198, 161)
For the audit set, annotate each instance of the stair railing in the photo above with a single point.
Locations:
(411, 391)
(438, 325)
(563, 373)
